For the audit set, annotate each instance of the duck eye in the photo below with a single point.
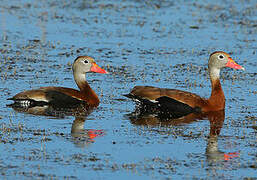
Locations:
(86, 61)
(221, 56)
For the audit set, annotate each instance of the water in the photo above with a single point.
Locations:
(160, 43)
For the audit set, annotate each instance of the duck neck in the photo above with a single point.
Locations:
(217, 98)
(86, 92)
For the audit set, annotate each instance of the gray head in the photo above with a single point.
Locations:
(82, 64)
(85, 64)
(219, 60)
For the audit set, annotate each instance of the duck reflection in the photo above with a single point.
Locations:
(80, 136)
(213, 153)
(216, 120)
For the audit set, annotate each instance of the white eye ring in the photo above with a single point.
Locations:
(85, 61)
(221, 57)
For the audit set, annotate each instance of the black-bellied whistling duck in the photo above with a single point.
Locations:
(180, 103)
(62, 96)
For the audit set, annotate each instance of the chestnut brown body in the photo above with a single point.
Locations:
(61, 95)
(216, 102)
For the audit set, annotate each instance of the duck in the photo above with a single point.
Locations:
(178, 103)
(63, 96)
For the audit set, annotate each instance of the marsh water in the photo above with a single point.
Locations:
(161, 43)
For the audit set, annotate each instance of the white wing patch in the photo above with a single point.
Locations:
(40, 99)
(24, 103)
(153, 101)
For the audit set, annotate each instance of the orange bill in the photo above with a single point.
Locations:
(97, 69)
(232, 64)
(228, 156)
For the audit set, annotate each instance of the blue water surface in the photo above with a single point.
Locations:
(161, 43)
